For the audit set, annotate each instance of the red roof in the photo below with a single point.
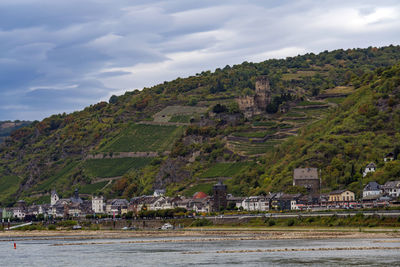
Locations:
(198, 195)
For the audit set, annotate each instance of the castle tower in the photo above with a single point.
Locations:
(54, 197)
(219, 196)
(263, 93)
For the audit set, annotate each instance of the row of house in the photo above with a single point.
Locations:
(77, 207)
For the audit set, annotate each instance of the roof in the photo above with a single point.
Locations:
(305, 173)
(337, 192)
(372, 186)
(371, 165)
(391, 184)
(389, 155)
(198, 195)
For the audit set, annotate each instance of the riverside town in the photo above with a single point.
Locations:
(159, 206)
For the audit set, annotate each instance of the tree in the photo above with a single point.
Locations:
(113, 99)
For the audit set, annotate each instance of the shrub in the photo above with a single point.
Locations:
(51, 227)
(271, 223)
(290, 222)
(202, 222)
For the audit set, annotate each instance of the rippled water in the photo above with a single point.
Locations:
(188, 251)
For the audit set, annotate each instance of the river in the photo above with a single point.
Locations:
(204, 251)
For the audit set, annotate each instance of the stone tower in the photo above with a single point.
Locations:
(263, 93)
(219, 196)
(257, 104)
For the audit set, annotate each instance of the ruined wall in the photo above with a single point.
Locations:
(257, 104)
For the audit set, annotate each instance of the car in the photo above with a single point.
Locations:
(76, 227)
(167, 226)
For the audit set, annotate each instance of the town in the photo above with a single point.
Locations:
(374, 195)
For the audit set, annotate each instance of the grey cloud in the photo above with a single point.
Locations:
(128, 44)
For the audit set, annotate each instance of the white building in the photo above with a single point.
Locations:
(369, 168)
(256, 203)
(391, 188)
(54, 197)
(98, 204)
(372, 189)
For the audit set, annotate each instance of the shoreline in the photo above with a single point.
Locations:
(228, 233)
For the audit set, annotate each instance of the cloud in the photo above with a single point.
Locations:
(60, 56)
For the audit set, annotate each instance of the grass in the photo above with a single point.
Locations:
(224, 169)
(336, 100)
(62, 174)
(254, 134)
(340, 90)
(180, 118)
(265, 123)
(255, 148)
(92, 188)
(206, 188)
(105, 168)
(143, 137)
(309, 103)
(294, 114)
(8, 185)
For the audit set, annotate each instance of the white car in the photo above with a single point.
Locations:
(167, 226)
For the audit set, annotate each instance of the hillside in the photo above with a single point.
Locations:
(186, 134)
(362, 129)
(7, 127)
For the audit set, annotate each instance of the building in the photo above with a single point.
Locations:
(283, 201)
(117, 206)
(257, 104)
(371, 167)
(159, 192)
(257, 203)
(389, 157)
(372, 189)
(54, 197)
(219, 198)
(98, 204)
(391, 188)
(308, 178)
(343, 195)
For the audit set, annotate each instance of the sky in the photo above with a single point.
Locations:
(60, 56)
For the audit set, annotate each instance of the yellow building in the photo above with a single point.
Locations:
(341, 196)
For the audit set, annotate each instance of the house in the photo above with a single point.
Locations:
(159, 192)
(283, 201)
(308, 178)
(371, 167)
(343, 195)
(372, 189)
(257, 203)
(389, 157)
(117, 206)
(98, 204)
(391, 188)
(234, 202)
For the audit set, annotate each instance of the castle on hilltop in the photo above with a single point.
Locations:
(257, 104)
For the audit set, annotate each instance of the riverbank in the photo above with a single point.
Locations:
(227, 233)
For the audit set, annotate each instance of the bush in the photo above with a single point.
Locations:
(271, 223)
(51, 227)
(290, 222)
(201, 222)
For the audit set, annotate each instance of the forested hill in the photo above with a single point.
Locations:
(186, 134)
(6, 127)
(364, 128)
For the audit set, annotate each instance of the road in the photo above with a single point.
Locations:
(386, 213)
